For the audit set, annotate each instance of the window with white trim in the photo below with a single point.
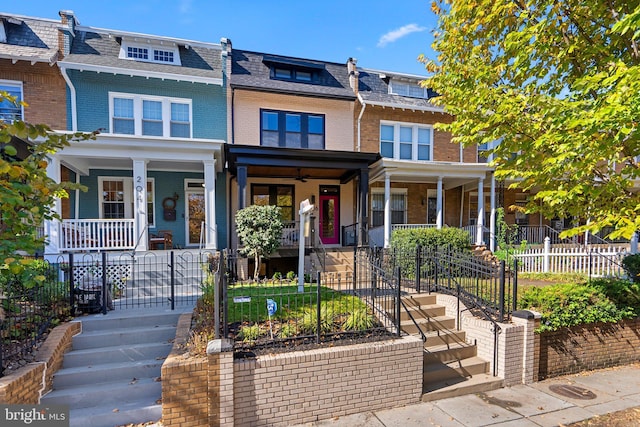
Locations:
(150, 115)
(406, 141)
(412, 90)
(164, 54)
(116, 200)
(398, 204)
(11, 111)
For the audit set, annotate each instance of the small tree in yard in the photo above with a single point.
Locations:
(27, 194)
(259, 229)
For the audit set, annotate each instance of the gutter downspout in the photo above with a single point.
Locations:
(72, 89)
(364, 106)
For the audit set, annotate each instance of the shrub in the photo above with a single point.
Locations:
(309, 322)
(405, 241)
(631, 264)
(288, 330)
(250, 333)
(569, 304)
(358, 320)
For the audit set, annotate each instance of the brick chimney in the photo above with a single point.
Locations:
(352, 69)
(67, 32)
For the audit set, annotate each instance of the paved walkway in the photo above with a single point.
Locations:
(580, 397)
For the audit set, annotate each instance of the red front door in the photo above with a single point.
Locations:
(329, 219)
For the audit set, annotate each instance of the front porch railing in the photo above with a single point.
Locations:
(97, 235)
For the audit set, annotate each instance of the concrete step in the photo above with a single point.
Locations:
(425, 310)
(446, 353)
(115, 321)
(127, 336)
(428, 324)
(460, 386)
(90, 395)
(437, 372)
(131, 412)
(106, 373)
(435, 338)
(418, 300)
(115, 354)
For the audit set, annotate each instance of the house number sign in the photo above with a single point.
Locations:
(139, 188)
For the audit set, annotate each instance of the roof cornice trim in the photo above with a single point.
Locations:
(33, 59)
(290, 92)
(139, 73)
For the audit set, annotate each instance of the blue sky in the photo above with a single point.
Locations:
(382, 35)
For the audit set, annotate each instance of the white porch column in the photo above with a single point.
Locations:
(480, 222)
(140, 204)
(439, 216)
(387, 210)
(492, 220)
(211, 233)
(52, 226)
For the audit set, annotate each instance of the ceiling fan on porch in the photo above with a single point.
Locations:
(300, 177)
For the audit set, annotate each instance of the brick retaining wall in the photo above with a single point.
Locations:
(576, 349)
(27, 384)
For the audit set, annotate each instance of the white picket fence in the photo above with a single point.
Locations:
(594, 261)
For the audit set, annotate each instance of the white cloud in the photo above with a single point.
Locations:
(185, 6)
(394, 35)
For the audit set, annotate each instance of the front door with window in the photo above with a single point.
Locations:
(195, 216)
(329, 222)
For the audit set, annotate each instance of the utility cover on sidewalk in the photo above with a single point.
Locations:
(572, 391)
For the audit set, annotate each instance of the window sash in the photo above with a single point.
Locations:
(117, 198)
(275, 195)
(406, 141)
(10, 111)
(150, 116)
(397, 204)
(292, 130)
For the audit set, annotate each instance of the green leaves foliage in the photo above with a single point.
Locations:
(570, 304)
(27, 194)
(558, 83)
(259, 229)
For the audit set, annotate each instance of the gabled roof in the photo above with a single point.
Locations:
(373, 88)
(251, 70)
(95, 49)
(28, 39)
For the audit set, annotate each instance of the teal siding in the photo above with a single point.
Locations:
(92, 94)
(166, 185)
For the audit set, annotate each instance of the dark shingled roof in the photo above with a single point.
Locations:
(251, 70)
(29, 38)
(374, 88)
(100, 49)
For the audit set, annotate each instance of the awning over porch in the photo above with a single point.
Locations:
(246, 161)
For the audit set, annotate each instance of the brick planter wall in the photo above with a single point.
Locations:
(572, 350)
(290, 388)
(27, 384)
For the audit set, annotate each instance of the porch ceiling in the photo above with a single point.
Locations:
(305, 164)
(453, 174)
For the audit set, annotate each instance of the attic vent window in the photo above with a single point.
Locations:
(137, 53)
(292, 74)
(408, 89)
(150, 53)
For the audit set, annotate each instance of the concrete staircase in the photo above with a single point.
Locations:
(337, 262)
(111, 377)
(451, 366)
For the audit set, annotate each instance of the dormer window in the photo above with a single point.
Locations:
(292, 74)
(150, 53)
(412, 90)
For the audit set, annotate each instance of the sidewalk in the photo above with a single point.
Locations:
(553, 402)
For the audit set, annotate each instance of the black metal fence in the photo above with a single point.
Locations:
(93, 283)
(32, 301)
(282, 313)
(485, 285)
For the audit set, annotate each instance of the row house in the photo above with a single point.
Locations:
(156, 167)
(191, 132)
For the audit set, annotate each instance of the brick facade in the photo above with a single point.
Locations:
(43, 89)
(582, 348)
(27, 384)
(291, 388)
